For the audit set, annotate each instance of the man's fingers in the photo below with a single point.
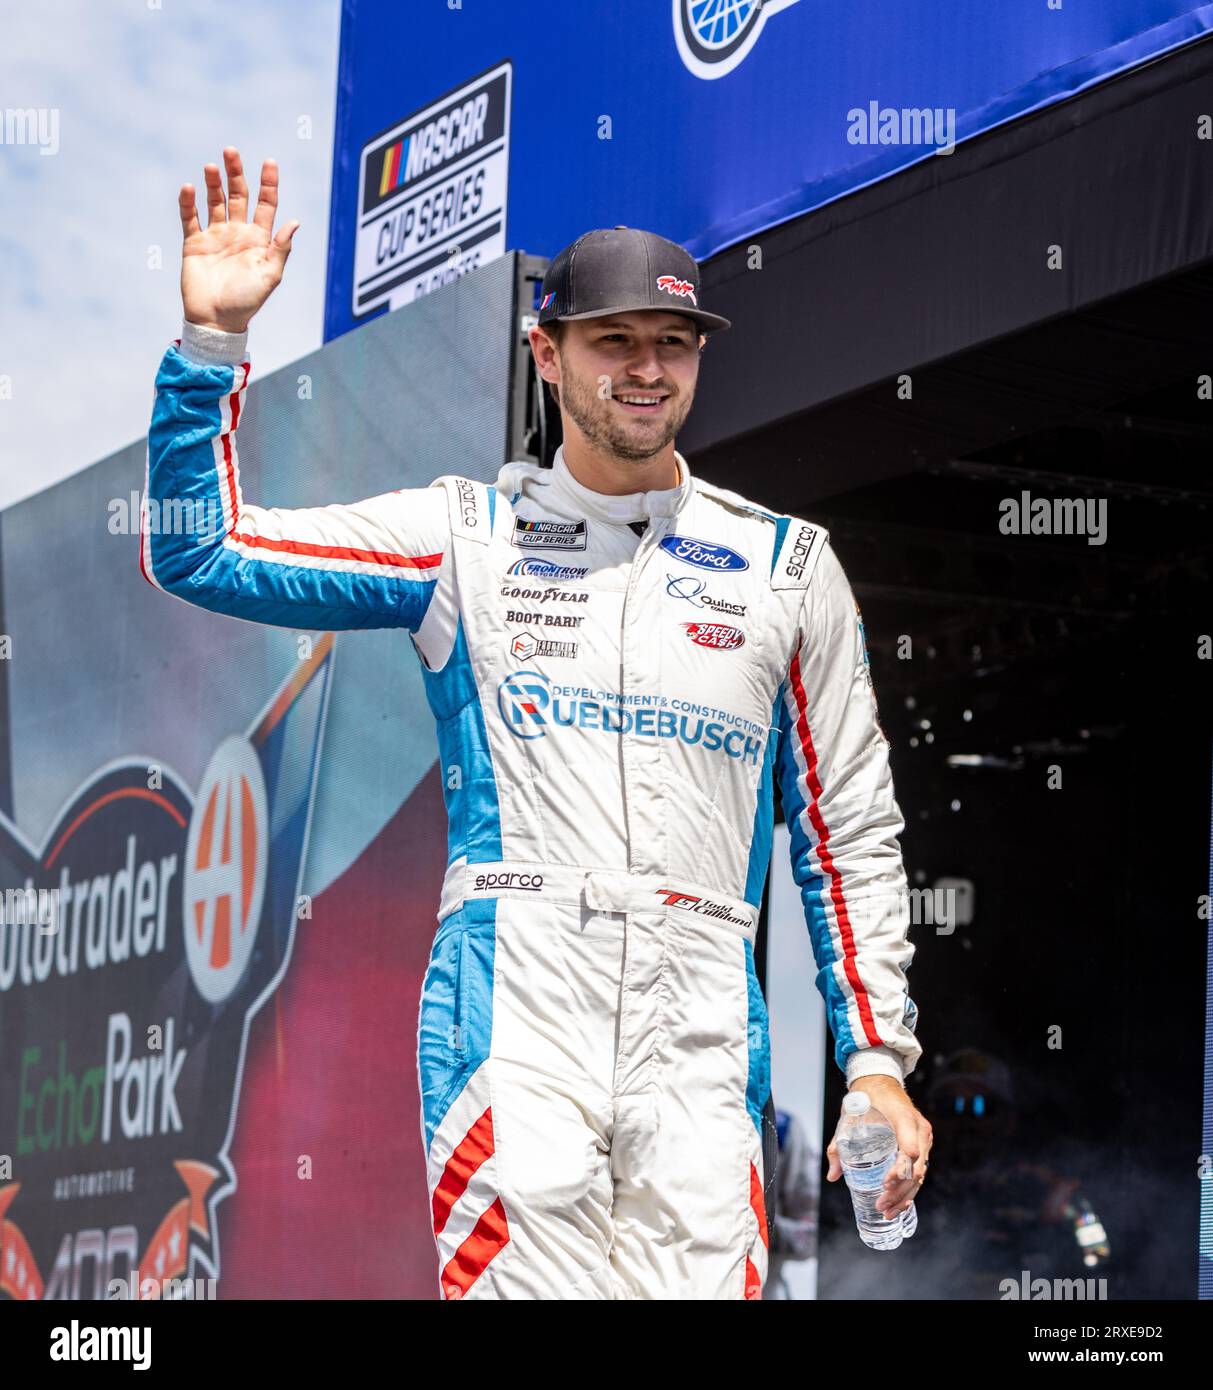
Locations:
(216, 211)
(835, 1169)
(237, 189)
(267, 196)
(188, 208)
(280, 244)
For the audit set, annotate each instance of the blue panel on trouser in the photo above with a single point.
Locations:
(758, 1079)
(469, 784)
(455, 1029)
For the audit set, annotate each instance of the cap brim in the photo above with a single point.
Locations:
(710, 323)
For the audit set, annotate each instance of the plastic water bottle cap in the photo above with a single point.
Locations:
(856, 1103)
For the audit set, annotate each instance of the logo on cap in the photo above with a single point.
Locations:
(672, 285)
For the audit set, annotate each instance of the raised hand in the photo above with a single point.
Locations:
(230, 268)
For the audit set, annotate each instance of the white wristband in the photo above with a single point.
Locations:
(212, 346)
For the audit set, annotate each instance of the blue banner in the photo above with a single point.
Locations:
(465, 131)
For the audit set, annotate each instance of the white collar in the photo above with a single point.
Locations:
(631, 506)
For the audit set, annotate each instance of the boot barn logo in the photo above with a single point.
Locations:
(715, 36)
(137, 942)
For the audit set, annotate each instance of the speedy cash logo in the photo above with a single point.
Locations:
(719, 636)
(704, 555)
(532, 706)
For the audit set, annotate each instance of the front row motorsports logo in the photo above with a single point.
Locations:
(126, 1008)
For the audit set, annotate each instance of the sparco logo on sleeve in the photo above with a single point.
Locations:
(802, 548)
(467, 503)
(552, 535)
(704, 555)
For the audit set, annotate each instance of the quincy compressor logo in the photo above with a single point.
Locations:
(714, 36)
(136, 944)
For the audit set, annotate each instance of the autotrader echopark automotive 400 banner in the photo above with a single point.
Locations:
(466, 131)
(139, 940)
(221, 853)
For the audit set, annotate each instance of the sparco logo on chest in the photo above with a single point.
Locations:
(704, 555)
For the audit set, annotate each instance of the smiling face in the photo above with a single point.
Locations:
(626, 381)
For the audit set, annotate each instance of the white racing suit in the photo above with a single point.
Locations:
(613, 710)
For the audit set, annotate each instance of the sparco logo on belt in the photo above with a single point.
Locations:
(488, 883)
(688, 902)
(800, 552)
(704, 555)
(716, 635)
(553, 535)
(467, 502)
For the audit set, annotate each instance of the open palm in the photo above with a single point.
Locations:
(232, 266)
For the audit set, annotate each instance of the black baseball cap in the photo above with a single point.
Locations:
(612, 270)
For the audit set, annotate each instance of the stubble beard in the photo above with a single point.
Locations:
(596, 419)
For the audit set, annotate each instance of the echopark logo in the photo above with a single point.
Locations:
(704, 555)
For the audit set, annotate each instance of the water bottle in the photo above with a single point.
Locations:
(867, 1149)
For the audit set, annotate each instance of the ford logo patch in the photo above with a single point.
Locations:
(704, 555)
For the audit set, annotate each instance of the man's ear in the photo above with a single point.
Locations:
(537, 333)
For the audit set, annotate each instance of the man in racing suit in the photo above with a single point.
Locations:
(622, 660)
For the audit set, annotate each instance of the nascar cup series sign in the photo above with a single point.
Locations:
(432, 194)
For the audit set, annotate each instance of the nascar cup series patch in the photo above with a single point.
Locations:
(551, 535)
